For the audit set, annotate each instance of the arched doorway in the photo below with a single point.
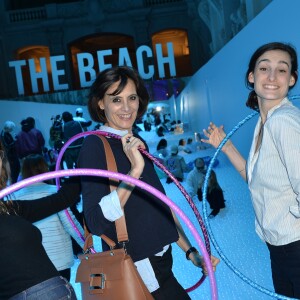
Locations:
(36, 61)
(179, 39)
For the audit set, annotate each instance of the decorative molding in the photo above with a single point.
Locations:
(26, 15)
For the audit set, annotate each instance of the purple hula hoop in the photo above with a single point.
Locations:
(157, 163)
(141, 184)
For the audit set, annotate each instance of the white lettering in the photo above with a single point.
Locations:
(17, 64)
(35, 75)
(124, 58)
(56, 73)
(170, 59)
(88, 68)
(102, 65)
(140, 62)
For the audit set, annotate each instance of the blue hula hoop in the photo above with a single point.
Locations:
(205, 217)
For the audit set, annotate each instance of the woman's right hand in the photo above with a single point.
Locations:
(214, 134)
(131, 147)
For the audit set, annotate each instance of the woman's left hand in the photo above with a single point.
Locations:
(131, 147)
(198, 261)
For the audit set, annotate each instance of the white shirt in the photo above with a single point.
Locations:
(79, 119)
(194, 180)
(274, 176)
(56, 229)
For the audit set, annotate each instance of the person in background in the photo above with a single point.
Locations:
(162, 149)
(161, 154)
(118, 97)
(198, 144)
(26, 272)
(69, 129)
(182, 148)
(55, 132)
(135, 128)
(56, 229)
(273, 167)
(160, 131)
(167, 121)
(79, 115)
(79, 118)
(29, 140)
(178, 127)
(195, 179)
(9, 143)
(215, 196)
(147, 122)
(191, 145)
(176, 165)
(157, 119)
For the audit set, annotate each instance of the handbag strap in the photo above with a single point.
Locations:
(121, 227)
(120, 224)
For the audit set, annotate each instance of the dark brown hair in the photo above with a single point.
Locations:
(213, 182)
(5, 170)
(105, 80)
(252, 98)
(5, 206)
(162, 144)
(33, 164)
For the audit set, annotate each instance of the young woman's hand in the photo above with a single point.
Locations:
(131, 147)
(214, 134)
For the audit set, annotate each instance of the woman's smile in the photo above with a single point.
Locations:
(121, 109)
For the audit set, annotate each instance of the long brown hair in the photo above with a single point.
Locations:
(34, 164)
(213, 182)
(5, 169)
(5, 206)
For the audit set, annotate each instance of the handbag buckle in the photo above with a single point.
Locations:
(124, 245)
(88, 250)
(97, 281)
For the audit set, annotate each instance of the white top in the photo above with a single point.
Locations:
(194, 180)
(56, 229)
(79, 119)
(274, 176)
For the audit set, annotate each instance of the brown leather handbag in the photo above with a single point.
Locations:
(110, 275)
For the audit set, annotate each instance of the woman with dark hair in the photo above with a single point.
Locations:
(9, 143)
(182, 147)
(26, 272)
(273, 167)
(162, 149)
(56, 229)
(117, 98)
(215, 196)
(29, 140)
